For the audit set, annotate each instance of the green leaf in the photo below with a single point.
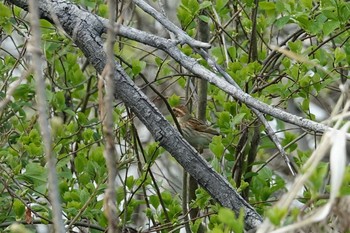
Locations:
(232, 52)
(82, 118)
(167, 197)
(330, 26)
(217, 147)
(130, 182)
(295, 46)
(36, 173)
(217, 53)
(276, 214)
(138, 66)
(235, 66)
(4, 11)
(59, 100)
(174, 100)
(23, 91)
(204, 18)
(196, 225)
(205, 4)
(226, 216)
(19, 209)
(158, 61)
(344, 11)
(5, 22)
(63, 187)
(339, 55)
(304, 21)
(103, 10)
(330, 12)
(305, 105)
(347, 51)
(282, 21)
(282, 6)
(317, 178)
(84, 178)
(97, 155)
(220, 4)
(152, 151)
(84, 195)
(249, 3)
(184, 15)
(193, 5)
(307, 4)
(154, 201)
(80, 162)
(33, 149)
(88, 135)
(267, 6)
(224, 119)
(238, 118)
(70, 112)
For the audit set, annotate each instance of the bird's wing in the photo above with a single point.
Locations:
(202, 127)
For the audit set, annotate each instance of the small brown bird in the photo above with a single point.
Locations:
(196, 132)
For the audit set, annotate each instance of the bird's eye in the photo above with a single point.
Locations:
(177, 112)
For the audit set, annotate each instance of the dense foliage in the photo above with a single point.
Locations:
(310, 72)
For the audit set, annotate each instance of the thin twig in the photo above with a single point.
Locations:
(110, 206)
(37, 64)
(171, 27)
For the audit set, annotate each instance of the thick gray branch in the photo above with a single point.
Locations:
(85, 29)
